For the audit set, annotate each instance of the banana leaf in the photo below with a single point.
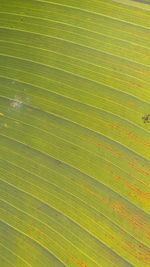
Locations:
(75, 133)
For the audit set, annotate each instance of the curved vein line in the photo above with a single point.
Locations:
(88, 37)
(75, 58)
(54, 134)
(130, 122)
(106, 111)
(35, 149)
(14, 253)
(116, 224)
(82, 147)
(95, 154)
(51, 169)
(67, 97)
(52, 229)
(18, 189)
(111, 189)
(6, 260)
(81, 59)
(93, 207)
(105, 136)
(10, 204)
(55, 196)
(82, 201)
(77, 44)
(68, 72)
(41, 245)
(119, 5)
(144, 7)
(12, 234)
(4, 97)
(74, 74)
(75, 26)
(93, 12)
(74, 99)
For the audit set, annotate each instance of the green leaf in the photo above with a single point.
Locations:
(75, 141)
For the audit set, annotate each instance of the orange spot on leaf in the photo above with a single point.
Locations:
(137, 84)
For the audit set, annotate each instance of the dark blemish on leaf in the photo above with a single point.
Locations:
(146, 118)
(58, 162)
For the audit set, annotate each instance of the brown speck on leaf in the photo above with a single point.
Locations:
(39, 208)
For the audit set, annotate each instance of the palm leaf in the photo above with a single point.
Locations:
(75, 142)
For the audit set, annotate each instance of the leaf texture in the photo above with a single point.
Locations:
(75, 141)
